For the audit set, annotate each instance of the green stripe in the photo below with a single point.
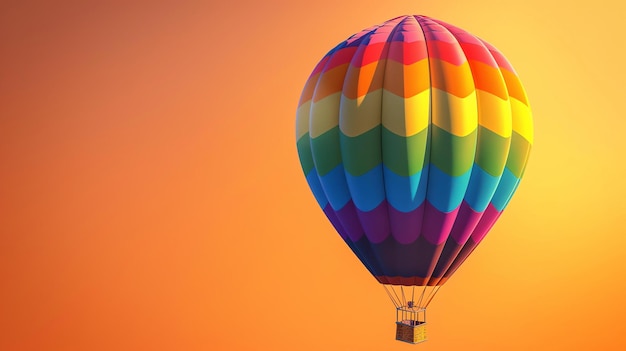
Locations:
(452, 154)
(492, 151)
(326, 152)
(304, 153)
(363, 152)
(520, 148)
(404, 155)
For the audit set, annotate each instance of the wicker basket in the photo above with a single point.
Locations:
(411, 332)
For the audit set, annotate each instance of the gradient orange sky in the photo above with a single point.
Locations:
(151, 196)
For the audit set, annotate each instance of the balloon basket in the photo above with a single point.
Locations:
(411, 324)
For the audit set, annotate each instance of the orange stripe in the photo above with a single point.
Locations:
(309, 88)
(514, 86)
(488, 78)
(453, 79)
(406, 80)
(409, 80)
(363, 80)
(330, 82)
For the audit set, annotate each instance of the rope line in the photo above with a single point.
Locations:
(419, 304)
(390, 296)
(432, 294)
(394, 292)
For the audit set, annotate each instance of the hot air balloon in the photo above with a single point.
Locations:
(413, 135)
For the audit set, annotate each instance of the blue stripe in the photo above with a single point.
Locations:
(446, 192)
(335, 187)
(316, 188)
(481, 188)
(506, 188)
(368, 189)
(405, 194)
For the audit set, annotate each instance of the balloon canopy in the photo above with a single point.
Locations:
(413, 135)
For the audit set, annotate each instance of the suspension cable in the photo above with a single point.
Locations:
(421, 297)
(432, 295)
(390, 296)
(397, 297)
(400, 300)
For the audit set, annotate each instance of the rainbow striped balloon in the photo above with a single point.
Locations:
(413, 136)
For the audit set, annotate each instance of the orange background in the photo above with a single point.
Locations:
(151, 196)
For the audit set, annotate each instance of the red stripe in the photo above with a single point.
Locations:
(369, 53)
(500, 59)
(340, 57)
(320, 65)
(449, 52)
(479, 53)
(407, 52)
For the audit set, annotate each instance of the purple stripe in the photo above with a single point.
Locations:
(406, 226)
(332, 217)
(487, 221)
(376, 223)
(419, 257)
(437, 224)
(466, 221)
(360, 248)
(349, 220)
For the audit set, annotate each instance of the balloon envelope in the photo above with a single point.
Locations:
(413, 135)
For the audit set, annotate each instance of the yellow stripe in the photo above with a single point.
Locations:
(324, 115)
(302, 119)
(406, 116)
(361, 114)
(522, 119)
(458, 116)
(494, 113)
